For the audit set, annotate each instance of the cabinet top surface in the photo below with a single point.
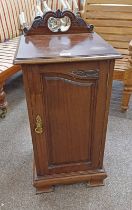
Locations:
(63, 48)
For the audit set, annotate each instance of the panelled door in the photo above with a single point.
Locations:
(68, 108)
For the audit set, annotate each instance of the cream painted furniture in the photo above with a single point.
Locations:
(113, 21)
(9, 32)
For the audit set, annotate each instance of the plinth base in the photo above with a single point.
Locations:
(45, 189)
(45, 184)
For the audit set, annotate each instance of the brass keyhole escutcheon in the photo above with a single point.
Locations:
(39, 125)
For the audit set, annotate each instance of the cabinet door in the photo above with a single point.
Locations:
(66, 98)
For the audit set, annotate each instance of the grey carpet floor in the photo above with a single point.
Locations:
(16, 190)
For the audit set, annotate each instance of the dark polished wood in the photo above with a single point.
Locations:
(3, 102)
(70, 111)
(40, 24)
(64, 48)
(68, 82)
(74, 109)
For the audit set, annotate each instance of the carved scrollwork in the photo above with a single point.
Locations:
(3, 102)
(3, 112)
(71, 81)
(85, 74)
(40, 24)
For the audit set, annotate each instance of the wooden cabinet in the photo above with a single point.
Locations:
(68, 80)
(70, 101)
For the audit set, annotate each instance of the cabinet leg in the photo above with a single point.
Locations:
(3, 102)
(95, 183)
(45, 189)
(126, 98)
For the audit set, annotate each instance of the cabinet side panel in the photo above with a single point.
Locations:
(101, 113)
(107, 105)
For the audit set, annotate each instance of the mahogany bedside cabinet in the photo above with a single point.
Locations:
(67, 70)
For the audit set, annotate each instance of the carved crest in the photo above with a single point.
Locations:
(40, 25)
(81, 74)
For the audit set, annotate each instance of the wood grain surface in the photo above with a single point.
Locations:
(61, 48)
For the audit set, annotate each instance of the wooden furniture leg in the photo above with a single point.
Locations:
(3, 102)
(44, 189)
(96, 181)
(126, 97)
(127, 82)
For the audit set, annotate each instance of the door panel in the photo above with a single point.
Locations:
(70, 108)
(71, 101)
